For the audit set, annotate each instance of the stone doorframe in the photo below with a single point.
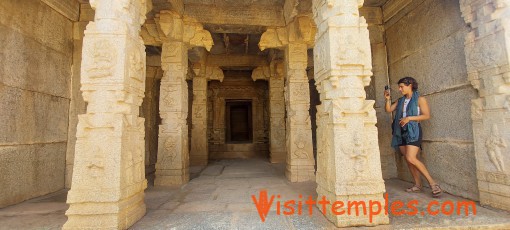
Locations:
(487, 49)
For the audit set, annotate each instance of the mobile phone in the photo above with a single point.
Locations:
(386, 87)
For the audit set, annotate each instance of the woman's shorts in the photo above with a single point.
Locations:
(415, 143)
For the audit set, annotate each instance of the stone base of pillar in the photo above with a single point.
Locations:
(277, 157)
(500, 201)
(345, 216)
(198, 161)
(300, 173)
(106, 215)
(171, 177)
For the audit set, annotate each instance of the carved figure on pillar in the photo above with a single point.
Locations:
(494, 143)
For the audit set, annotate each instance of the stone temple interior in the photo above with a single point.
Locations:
(104, 97)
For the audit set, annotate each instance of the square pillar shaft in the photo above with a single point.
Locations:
(199, 154)
(348, 159)
(107, 190)
(277, 147)
(172, 167)
(300, 159)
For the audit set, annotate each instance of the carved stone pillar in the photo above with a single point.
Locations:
(277, 149)
(348, 159)
(107, 190)
(173, 155)
(300, 160)
(199, 154)
(295, 38)
(487, 48)
(176, 35)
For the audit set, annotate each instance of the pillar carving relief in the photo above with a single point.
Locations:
(173, 153)
(176, 36)
(348, 159)
(278, 149)
(107, 190)
(488, 66)
(294, 39)
(274, 73)
(199, 154)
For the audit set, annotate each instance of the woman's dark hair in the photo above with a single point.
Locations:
(409, 80)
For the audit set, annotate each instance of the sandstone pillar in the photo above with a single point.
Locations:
(300, 159)
(199, 151)
(173, 153)
(295, 39)
(199, 155)
(348, 160)
(277, 149)
(176, 35)
(487, 48)
(274, 74)
(107, 190)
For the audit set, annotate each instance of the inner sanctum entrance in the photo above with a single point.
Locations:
(238, 118)
(239, 121)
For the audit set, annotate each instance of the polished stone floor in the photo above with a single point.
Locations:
(219, 197)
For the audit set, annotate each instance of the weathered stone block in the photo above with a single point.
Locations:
(443, 158)
(419, 29)
(30, 170)
(38, 21)
(30, 117)
(450, 116)
(28, 63)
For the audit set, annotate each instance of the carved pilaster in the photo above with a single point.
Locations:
(277, 148)
(199, 154)
(107, 190)
(173, 155)
(488, 68)
(199, 151)
(348, 159)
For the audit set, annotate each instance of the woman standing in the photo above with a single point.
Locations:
(407, 133)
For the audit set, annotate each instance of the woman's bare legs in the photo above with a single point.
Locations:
(411, 152)
(414, 171)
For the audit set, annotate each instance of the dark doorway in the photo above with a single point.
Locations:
(238, 121)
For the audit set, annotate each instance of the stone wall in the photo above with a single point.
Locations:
(36, 49)
(78, 105)
(425, 40)
(374, 91)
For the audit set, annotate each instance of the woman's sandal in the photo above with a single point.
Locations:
(436, 190)
(415, 188)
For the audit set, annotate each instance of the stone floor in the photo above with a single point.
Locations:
(219, 197)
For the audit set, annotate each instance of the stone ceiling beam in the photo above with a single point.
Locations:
(236, 60)
(236, 15)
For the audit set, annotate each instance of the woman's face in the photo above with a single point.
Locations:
(405, 89)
